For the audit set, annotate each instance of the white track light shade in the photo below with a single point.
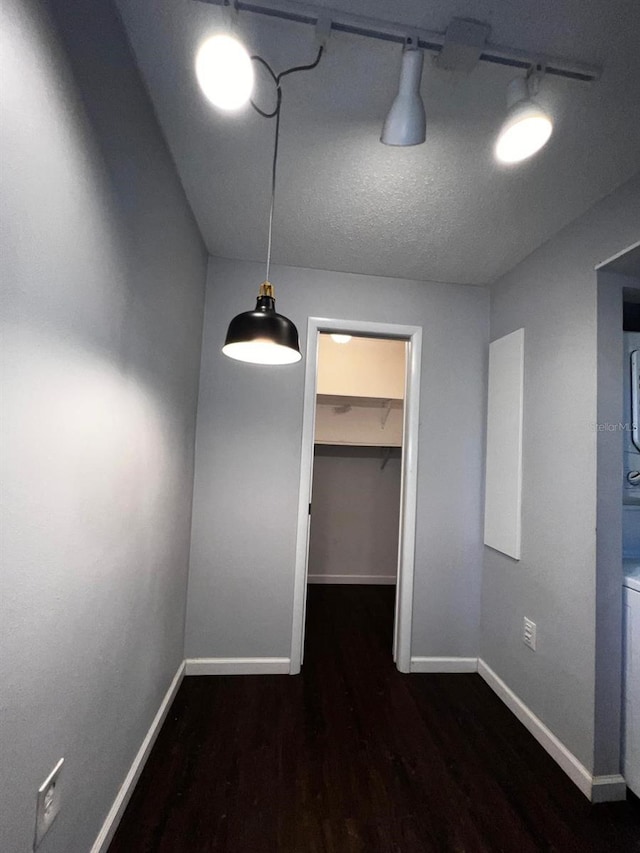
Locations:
(527, 127)
(225, 72)
(406, 123)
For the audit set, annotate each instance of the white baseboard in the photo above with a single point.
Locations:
(116, 811)
(366, 579)
(608, 789)
(238, 666)
(444, 664)
(598, 789)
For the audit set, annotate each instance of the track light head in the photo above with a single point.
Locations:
(406, 122)
(527, 127)
(225, 72)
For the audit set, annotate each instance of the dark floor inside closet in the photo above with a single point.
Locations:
(354, 757)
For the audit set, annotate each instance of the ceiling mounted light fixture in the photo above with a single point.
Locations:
(263, 336)
(340, 339)
(527, 127)
(406, 122)
(225, 72)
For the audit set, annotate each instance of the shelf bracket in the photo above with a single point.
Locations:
(386, 411)
(386, 457)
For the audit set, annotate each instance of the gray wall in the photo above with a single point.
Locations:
(248, 461)
(631, 530)
(552, 294)
(356, 512)
(103, 276)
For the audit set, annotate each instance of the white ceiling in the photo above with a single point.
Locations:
(442, 211)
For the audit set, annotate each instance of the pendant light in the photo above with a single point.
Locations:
(263, 336)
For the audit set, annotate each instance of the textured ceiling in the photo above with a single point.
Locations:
(442, 211)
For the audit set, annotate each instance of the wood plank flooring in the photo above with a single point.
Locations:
(353, 757)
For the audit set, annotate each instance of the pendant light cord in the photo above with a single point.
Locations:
(276, 114)
(274, 166)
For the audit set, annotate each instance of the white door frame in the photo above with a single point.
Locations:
(409, 487)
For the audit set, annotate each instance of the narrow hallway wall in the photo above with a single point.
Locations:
(103, 275)
(553, 295)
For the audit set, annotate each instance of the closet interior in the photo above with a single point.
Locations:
(357, 460)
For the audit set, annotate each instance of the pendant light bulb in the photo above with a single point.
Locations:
(406, 122)
(225, 72)
(527, 127)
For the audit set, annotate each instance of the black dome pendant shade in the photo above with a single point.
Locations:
(263, 336)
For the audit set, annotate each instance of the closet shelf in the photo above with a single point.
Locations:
(359, 421)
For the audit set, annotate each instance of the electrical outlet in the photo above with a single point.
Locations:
(529, 633)
(48, 803)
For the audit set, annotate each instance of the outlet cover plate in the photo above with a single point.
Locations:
(48, 803)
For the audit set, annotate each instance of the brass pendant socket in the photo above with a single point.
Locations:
(267, 289)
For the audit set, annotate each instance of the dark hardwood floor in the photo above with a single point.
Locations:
(353, 757)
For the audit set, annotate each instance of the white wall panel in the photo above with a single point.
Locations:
(503, 485)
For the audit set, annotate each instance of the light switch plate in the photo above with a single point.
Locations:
(48, 803)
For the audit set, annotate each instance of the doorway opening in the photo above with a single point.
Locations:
(357, 507)
(617, 720)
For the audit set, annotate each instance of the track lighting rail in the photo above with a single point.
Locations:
(377, 28)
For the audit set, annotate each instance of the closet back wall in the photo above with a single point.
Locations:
(248, 445)
(355, 515)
